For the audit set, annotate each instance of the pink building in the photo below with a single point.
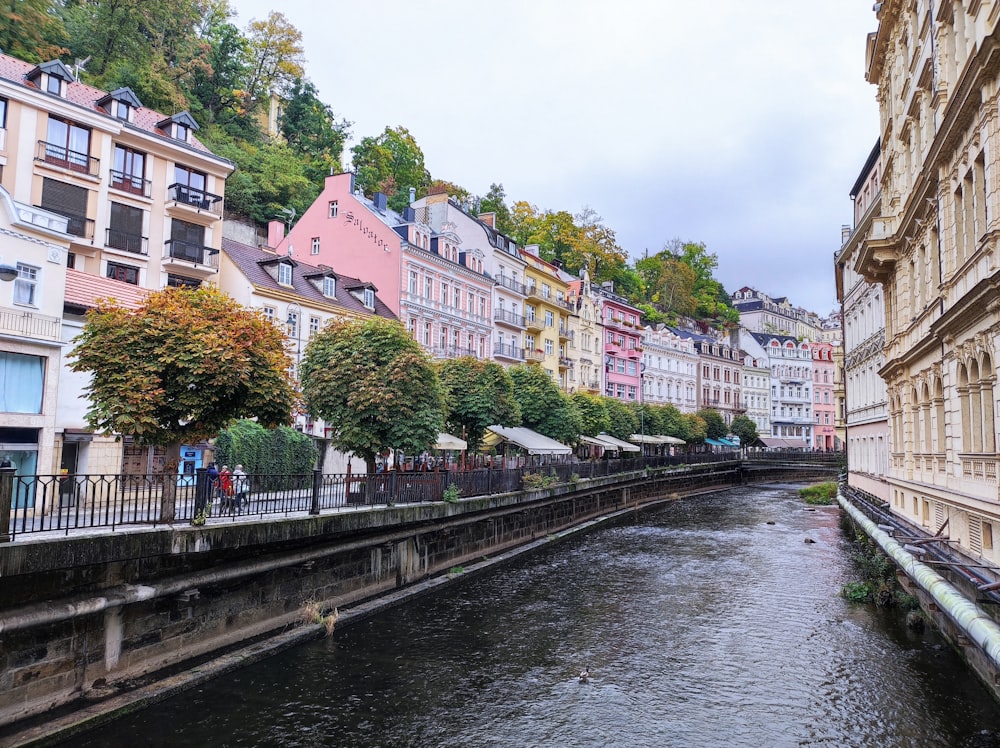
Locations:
(622, 344)
(437, 288)
(824, 406)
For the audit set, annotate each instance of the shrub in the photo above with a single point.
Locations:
(451, 493)
(821, 494)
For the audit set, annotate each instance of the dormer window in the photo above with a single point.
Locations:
(51, 77)
(330, 287)
(53, 85)
(369, 298)
(120, 104)
(179, 127)
(285, 273)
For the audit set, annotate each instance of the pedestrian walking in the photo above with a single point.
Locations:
(226, 501)
(241, 487)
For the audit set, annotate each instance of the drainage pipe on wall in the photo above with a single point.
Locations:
(968, 616)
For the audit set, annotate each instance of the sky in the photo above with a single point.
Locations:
(739, 124)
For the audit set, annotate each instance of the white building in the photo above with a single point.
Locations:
(670, 373)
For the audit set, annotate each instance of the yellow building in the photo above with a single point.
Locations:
(547, 309)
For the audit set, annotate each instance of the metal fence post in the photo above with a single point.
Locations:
(317, 486)
(6, 501)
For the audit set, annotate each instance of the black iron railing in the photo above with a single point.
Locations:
(71, 503)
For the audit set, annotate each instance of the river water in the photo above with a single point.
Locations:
(700, 624)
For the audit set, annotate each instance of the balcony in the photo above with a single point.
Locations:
(123, 240)
(130, 183)
(451, 352)
(29, 325)
(178, 252)
(512, 285)
(534, 355)
(593, 385)
(509, 351)
(64, 158)
(509, 318)
(566, 334)
(184, 195)
(566, 363)
(534, 323)
(80, 226)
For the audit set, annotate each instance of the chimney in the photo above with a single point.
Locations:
(490, 219)
(413, 195)
(379, 200)
(275, 233)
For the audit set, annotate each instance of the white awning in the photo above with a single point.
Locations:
(618, 443)
(530, 441)
(646, 439)
(596, 442)
(671, 439)
(447, 441)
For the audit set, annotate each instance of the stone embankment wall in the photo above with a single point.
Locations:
(84, 618)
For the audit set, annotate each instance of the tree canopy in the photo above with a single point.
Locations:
(478, 394)
(715, 425)
(375, 386)
(745, 429)
(544, 408)
(391, 163)
(181, 368)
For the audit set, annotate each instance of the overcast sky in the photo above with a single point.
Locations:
(738, 123)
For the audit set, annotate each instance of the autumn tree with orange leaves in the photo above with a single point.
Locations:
(181, 368)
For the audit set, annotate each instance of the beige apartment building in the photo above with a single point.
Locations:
(138, 200)
(932, 248)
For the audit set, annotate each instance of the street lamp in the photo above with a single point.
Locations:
(8, 273)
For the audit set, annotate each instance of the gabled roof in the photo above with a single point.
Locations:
(181, 118)
(252, 261)
(121, 94)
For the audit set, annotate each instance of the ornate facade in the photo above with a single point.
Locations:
(932, 248)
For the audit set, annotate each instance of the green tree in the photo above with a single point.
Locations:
(31, 30)
(594, 248)
(495, 201)
(375, 386)
(391, 163)
(745, 429)
(672, 422)
(695, 428)
(714, 422)
(181, 368)
(648, 417)
(151, 46)
(311, 130)
(623, 421)
(478, 394)
(593, 413)
(276, 58)
(544, 408)
(217, 88)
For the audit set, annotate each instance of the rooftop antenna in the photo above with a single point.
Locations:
(290, 212)
(80, 65)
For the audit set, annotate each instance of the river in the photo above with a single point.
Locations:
(700, 624)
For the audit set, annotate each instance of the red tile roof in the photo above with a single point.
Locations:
(84, 289)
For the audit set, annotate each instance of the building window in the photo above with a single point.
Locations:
(53, 85)
(428, 288)
(315, 245)
(123, 273)
(181, 132)
(125, 229)
(3, 114)
(549, 319)
(332, 211)
(129, 171)
(549, 348)
(369, 298)
(182, 281)
(285, 273)
(292, 324)
(26, 285)
(313, 326)
(269, 313)
(329, 286)
(23, 377)
(414, 283)
(70, 201)
(631, 392)
(190, 186)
